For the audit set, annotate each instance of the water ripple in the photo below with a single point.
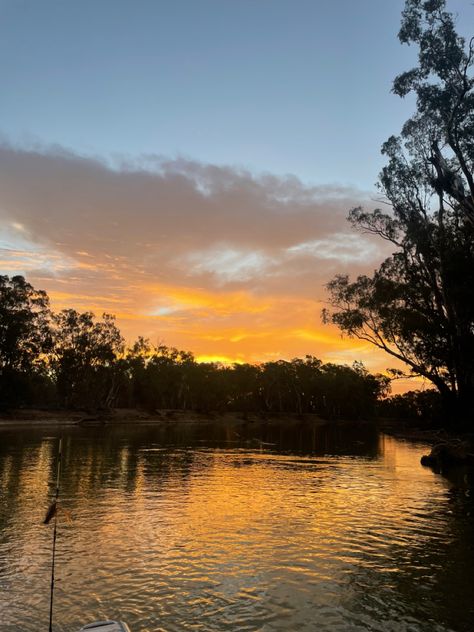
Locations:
(172, 534)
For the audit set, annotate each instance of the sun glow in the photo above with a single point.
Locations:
(235, 275)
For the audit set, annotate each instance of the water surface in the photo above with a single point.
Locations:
(192, 527)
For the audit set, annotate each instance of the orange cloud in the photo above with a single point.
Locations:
(215, 260)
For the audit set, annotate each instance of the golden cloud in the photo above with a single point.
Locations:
(216, 260)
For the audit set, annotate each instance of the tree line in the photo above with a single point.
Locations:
(73, 360)
(418, 306)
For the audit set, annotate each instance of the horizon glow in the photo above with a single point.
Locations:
(189, 166)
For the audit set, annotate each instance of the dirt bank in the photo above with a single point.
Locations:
(36, 418)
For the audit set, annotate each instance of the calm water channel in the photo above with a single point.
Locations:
(203, 528)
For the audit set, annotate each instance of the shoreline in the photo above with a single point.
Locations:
(400, 430)
(458, 447)
(36, 418)
(24, 418)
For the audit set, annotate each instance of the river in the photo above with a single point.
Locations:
(206, 528)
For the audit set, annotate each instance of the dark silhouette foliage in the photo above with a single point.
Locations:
(165, 378)
(73, 360)
(417, 408)
(25, 338)
(419, 305)
(83, 359)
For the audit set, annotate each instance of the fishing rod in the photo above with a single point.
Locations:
(53, 513)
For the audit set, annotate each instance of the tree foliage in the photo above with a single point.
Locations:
(24, 324)
(165, 378)
(84, 358)
(419, 305)
(73, 360)
(25, 337)
(414, 407)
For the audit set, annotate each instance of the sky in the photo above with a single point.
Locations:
(189, 165)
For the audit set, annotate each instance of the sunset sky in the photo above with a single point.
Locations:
(189, 165)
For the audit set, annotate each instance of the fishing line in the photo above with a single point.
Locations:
(53, 511)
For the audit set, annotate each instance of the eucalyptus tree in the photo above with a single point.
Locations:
(84, 359)
(419, 305)
(167, 378)
(25, 337)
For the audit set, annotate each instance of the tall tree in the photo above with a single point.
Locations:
(25, 335)
(84, 358)
(419, 305)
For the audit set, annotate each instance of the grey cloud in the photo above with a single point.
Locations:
(176, 219)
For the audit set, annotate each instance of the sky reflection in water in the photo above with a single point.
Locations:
(333, 528)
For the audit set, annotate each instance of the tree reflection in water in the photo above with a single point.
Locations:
(212, 526)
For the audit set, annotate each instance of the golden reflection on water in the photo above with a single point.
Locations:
(186, 529)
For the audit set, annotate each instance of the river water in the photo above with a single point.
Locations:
(204, 527)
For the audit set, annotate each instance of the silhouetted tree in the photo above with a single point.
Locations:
(25, 338)
(84, 359)
(244, 381)
(133, 384)
(71, 359)
(419, 305)
(414, 407)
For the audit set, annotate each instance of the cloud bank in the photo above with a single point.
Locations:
(214, 259)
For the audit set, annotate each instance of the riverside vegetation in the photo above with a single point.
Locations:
(72, 360)
(418, 306)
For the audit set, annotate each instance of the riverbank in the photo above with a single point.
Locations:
(449, 449)
(131, 416)
(430, 435)
(403, 430)
(37, 418)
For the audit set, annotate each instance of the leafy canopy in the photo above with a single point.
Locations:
(418, 306)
